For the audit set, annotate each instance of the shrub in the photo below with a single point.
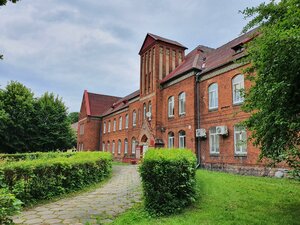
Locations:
(9, 205)
(168, 178)
(45, 178)
(33, 156)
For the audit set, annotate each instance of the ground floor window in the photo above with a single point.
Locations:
(126, 146)
(133, 145)
(182, 142)
(103, 146)
(113, 147)
(119, 146)
(213, 141)
(171, 140)
(240, 140)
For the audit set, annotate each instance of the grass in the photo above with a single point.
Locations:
(228, 199)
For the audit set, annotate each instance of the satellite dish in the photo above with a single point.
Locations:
(148, 114)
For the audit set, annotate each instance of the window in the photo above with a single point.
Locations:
(113, 147)
(104, 127)
(108, 129)
(81, 129)
(213, 141)
(237, 88)
(240, 140)
(181, 103)
(120, 123)
(171, 106)
(171, 140)
(213, 96)
(133, 145)
(150, 110)
(126, 121)
(126, 146)
(144, 110)
(115, 124)
(182, 139)
(134, 118)
(103, 146)
(108, 146)
(119, 146)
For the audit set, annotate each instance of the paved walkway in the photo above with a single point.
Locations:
(97, 207)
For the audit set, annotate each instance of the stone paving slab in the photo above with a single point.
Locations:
(100, 206)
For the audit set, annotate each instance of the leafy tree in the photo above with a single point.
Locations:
(73, 117)
(16, 112)
(274, 98)
(53, 130)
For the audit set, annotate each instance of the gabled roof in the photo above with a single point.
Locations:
(121, 103)
(206, 59)
(158, 38)
(96, 104)
(193, 60)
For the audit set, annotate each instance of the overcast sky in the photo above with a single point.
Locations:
(66, 47)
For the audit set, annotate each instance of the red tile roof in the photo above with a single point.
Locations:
(121, 103)
(96, 104)
(214, 58)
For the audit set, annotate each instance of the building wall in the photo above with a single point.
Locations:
(89, 139)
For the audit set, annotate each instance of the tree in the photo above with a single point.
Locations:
(16, 112)
(73, 117)
(53, 130)
(274, 98)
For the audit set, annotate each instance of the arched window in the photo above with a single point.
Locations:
(120, 123)
(213, 96)
(126, 121)
(181, 103)
(108, 146)
(240, 140)
(103, 146)
(144, 110)
(119, 147)
(113, 147)
(134, 118)
(213, 141)
(237, 89)
(108, 129)
(171, 140)
(150, 110)
(171, 106)
(104, 127)
(115, 124)
(181, 135)
(133, 145)
(125, 146)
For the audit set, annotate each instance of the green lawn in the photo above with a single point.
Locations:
(232, 199)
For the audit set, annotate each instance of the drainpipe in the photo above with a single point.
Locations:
(198, 118)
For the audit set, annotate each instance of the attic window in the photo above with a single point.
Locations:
(238, 48)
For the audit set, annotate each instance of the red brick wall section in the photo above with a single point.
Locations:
(91, 135)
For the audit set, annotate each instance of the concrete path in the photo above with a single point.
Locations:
(97, 207)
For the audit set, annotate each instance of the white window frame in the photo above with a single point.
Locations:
(125, 146)
(133, 146)
(237, 88)
(103, 146)
(171, 106)
(119, 146)
(213, 96)
(182, 139)
(144, 110)
(108, 129)
(214, 141)
(108, 146)
(134, 118)
(181, 103)
(115, 125)
(104, 127)
(120, 122)
(126, 121)
(240, 140)
(171, 139)
(81, 129)
(113, 147)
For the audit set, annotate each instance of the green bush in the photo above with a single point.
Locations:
(168, 177)
(9, 205)
(34, 156)
(45, 178)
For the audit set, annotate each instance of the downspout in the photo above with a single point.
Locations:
(198, 118)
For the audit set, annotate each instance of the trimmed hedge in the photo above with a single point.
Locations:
(45, 178)
(168, 178)
(34, 156)
(9, 206)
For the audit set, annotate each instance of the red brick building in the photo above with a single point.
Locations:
(187, 101)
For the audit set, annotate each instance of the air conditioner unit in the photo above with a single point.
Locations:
(221, 130)
(201, 133)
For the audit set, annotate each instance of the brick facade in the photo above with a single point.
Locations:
(169, 78)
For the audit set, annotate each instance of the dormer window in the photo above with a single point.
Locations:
(238, 48)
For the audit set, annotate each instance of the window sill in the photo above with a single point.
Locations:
(212, 109)
(237, 103)
(240, 154)
(182, 115)
(214, 154)
(171, 117)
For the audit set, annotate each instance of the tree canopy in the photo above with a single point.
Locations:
(274, 98)
(73, 117)
(30, 124)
